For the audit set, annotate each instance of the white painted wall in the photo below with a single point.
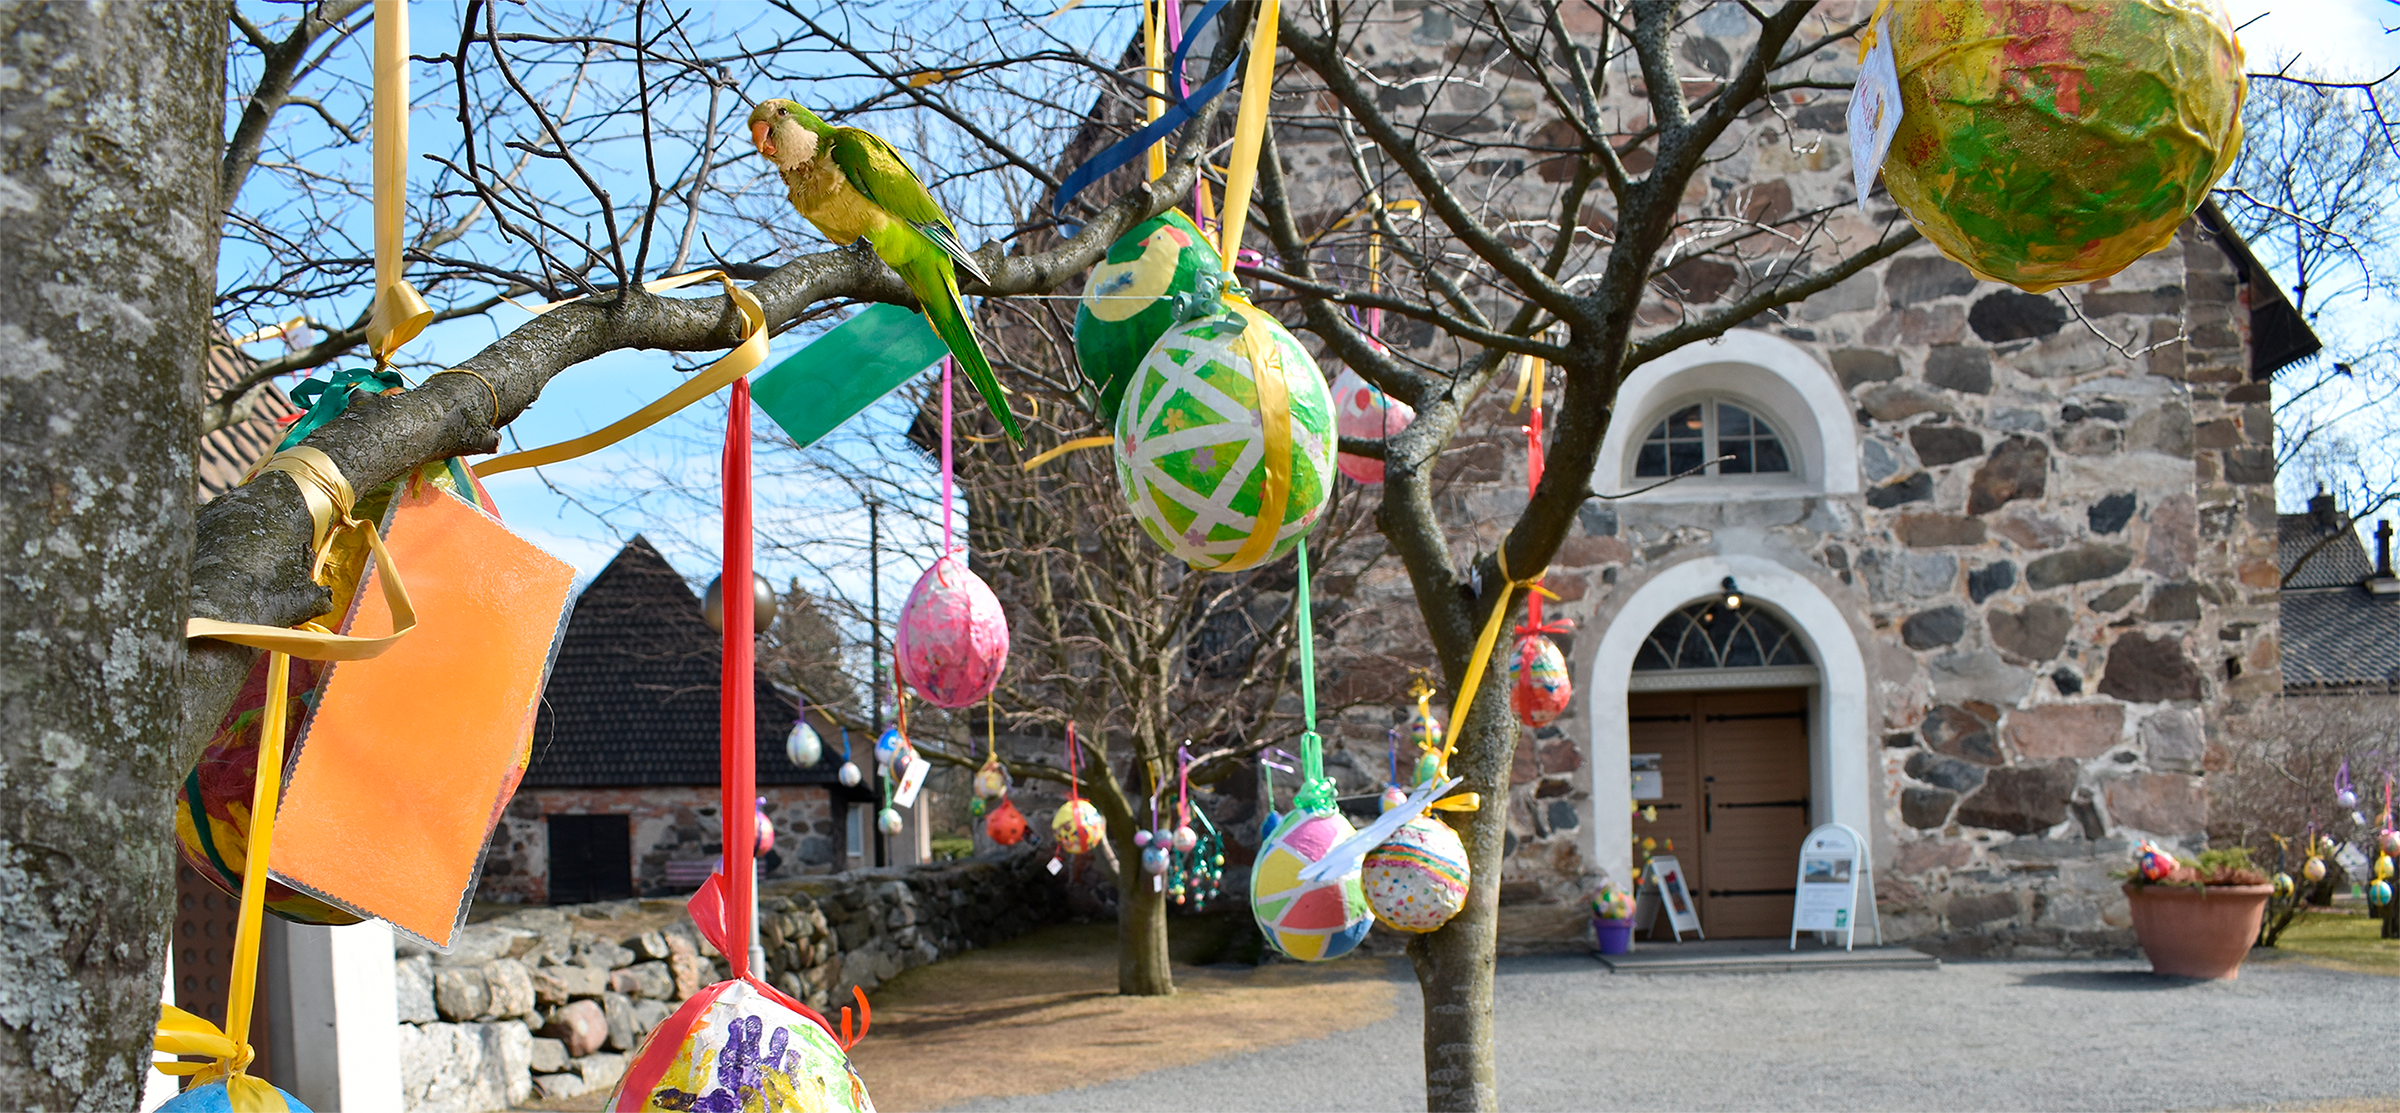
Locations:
(1777, 378)
(339, 991)
(1841, 754)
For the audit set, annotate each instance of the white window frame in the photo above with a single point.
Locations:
(1709, 449)
(1773, 378)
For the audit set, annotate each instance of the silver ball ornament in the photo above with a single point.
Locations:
(1185, 840)
(849, 774)
(888, 821)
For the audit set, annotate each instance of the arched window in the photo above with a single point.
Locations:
(1703, 432)
(1710, 645)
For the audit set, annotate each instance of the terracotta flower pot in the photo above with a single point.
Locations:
(2197, 932)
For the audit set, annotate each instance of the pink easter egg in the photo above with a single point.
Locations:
(1361, 411)
(953, 638)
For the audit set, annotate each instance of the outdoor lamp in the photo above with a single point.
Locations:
(1733, 595)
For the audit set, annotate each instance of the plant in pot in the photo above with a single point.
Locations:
(1612, 919)
(2196, 918)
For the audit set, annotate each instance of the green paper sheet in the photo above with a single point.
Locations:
(816, 389)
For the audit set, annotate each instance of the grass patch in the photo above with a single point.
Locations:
(2341, 939)
(1041, 1013)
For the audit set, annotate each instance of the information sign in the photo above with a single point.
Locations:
(1833, 863)
(1663, 876)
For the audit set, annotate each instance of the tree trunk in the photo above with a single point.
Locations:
(1454, 964)
(108, 223)
(1142, 969)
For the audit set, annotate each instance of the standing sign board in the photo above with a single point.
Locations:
(1662, 877)
(1833, 865)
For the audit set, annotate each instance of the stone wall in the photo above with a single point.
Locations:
(666, 824)
(552, 1002)
(2055, 555)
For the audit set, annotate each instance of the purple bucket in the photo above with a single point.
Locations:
(1615, 936)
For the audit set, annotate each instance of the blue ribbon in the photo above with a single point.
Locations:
(1131, 147)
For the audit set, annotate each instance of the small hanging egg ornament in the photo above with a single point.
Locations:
(2346, 798)
(802, 747)
(2391, 843)
(888, 821)
(747, 1048)
(1006, 825)
(1208, 407)
(1429, 765)
(1417, 879)
(992, 779)
(2379, 892)
(762, 833)
(2155, 862)
(2283, 884)
(2043, 144)
(1307, 920)
(2313, 869)
(888, 749)
(1155, 859)
(1077, 826)
(2383, 866)
(1538, 685)
(216, 1097)
(952, 640)
(1185, 840)
(850, 776)
(1158, 274)
(1393, 797)
(1141, 838)
(1162, 837)
(1423, 728)
(1362, 412)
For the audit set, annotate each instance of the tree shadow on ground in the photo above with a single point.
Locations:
(2112, 981)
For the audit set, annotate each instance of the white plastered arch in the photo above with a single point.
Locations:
(1789, 386)
(1840, 758)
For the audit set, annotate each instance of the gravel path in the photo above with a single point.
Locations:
(1991, 1035)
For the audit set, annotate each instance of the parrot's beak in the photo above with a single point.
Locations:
(758, 138)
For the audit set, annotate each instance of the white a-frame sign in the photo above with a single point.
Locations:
(1833, 868)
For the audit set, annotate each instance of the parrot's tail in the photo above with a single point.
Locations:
(936, 286)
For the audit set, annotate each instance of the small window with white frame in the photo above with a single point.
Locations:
(1714, 437)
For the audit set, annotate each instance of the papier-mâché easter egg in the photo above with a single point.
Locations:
(1538, 687)
(1227, 422)
(1417, 879)
(2047, 142)
(734, 1046)
(803, 747)
(1161, 272)
(1006, 825)
(1309, 921)
(1077, 826)
(1365, 413)
(952, 638)
(217, 1097)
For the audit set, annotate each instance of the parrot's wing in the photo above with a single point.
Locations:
(875, 170)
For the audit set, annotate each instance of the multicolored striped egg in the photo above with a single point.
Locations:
(1538, 685)
(1310, 921)
(1417, 879)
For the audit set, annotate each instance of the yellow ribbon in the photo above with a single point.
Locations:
(1070, 446)
(1467, 801)
(1154, 62)
(183, 1033)
(1866, 38)
(1249, 131)
(1275, 423)
(400, 312)
(744, 358)
(329, 497)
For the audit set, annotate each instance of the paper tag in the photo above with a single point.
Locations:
(1054, 866)
(911, 779)
(1874, 112)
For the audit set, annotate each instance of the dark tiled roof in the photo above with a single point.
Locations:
(2279, 335)
(2340, 637)
(227, 454)
(2342, 562)
(633, 699)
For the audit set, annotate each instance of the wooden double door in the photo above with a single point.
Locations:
(1732, 799)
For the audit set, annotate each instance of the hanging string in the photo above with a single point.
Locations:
(1074, 766)
(1316, 790)
(1249, 130)
(991, 735)
(947, 547)
(1183, 786)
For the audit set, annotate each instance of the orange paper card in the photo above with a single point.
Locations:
(408, 758)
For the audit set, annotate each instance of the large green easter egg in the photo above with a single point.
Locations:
(1225, 440)
(2048, 142)
(1161, 272)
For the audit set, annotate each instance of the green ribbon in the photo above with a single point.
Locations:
(1316, 793)
(327, 398)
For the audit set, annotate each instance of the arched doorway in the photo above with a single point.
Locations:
(1717, 726)
(1784, 683)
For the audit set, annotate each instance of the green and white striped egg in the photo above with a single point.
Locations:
(1191, 443)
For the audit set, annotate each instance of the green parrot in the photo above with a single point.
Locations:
(849, 183)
